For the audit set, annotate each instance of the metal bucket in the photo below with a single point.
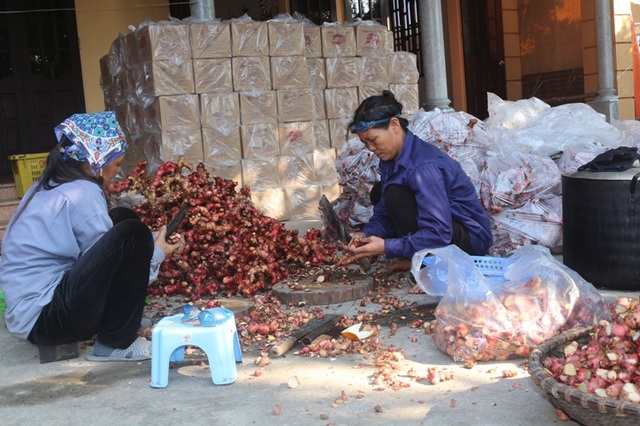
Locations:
(601, 227)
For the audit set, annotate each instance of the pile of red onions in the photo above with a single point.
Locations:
(606, 365)
(231, 247)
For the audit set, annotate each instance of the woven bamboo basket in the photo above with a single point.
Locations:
(585, 408)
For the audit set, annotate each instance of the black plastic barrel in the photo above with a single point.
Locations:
(601, 227)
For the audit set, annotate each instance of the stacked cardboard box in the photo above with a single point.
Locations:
(265, 104)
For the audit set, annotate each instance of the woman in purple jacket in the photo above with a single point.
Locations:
(424, 198)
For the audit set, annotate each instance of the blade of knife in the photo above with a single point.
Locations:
(335, 222)
(315, 326)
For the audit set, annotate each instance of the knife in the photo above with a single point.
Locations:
(316, 327)
(338, 226)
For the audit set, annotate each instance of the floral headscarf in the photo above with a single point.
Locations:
(97, 138)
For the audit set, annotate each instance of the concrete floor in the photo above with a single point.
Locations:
(78, 392)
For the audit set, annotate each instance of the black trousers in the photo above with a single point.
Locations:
(403, 212)
(103, 294)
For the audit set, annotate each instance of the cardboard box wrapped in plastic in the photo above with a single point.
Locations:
(319, 108)
(212, 75)
(249, 38)
(260, 140)
(210, 40)
(223, 149)
(296, 170)
(289, 72)
(258, 107)
(294, 105)
(365, 92)
(343, 71)
(321, 134)
(219, 110)
(271, 202)
(296, 138)
(174, 112)
(403, 68)
(251, 73)
(312, 41)
(163, 41)
(408, 95)
(286, 37)
(303, 201)
(338, 40)
(374, 71)
(159, 78)
(341, 102)
(316, 74)
(372, 40)
(260, 174)
(339, 132)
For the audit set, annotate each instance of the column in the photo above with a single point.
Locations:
(432, 49)
(202, 9)
(607, 100)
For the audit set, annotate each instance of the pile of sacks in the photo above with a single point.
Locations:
(515, 159)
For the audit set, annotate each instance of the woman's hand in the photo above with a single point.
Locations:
(168, 248)
(362, 246)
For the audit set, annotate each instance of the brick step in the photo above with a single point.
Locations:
(8, 191)
(7, 208)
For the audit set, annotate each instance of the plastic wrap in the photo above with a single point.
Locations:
(303, 201)
(249, 37)
(289, 72)
(408, 95)
(341, 102)
(260, 140)
(296, 171)
(163, 41)
(358, 171)
(226, 170)
(271, 202)
(160, 78)
(371, 39)
(219, 110)
(365, 92)
(286, 36)
(316, 75)
(296, 138)
(403, 68)
(260, 174)
(212, 75)
(295, 105)
(324, 164)
(374, 71)
(338, 40)
(211, 39)
(169, 146)
(321, 135)
(251, 73)
(483, 318)
(319, 107)
(258, 107)
(222, 146)
(512, 115)
(342, 71)
(338, 132)
(170, 113)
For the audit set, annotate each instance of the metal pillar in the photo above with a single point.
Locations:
(607, 100)
(433, 55)
(202, 9)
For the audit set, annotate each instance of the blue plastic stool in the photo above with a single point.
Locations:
(219, 341)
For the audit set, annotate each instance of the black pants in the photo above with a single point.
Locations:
(103, 294)
(403, 211)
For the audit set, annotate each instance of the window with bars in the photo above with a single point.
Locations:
(405, 27)
(367, 10)
(318, 11)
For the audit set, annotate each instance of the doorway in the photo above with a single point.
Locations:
(40, 74)
(483, 53)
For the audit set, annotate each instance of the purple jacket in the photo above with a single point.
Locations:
(443, 191)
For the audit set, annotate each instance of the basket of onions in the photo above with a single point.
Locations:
(592, 374)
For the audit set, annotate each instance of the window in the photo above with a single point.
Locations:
(406, 28)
